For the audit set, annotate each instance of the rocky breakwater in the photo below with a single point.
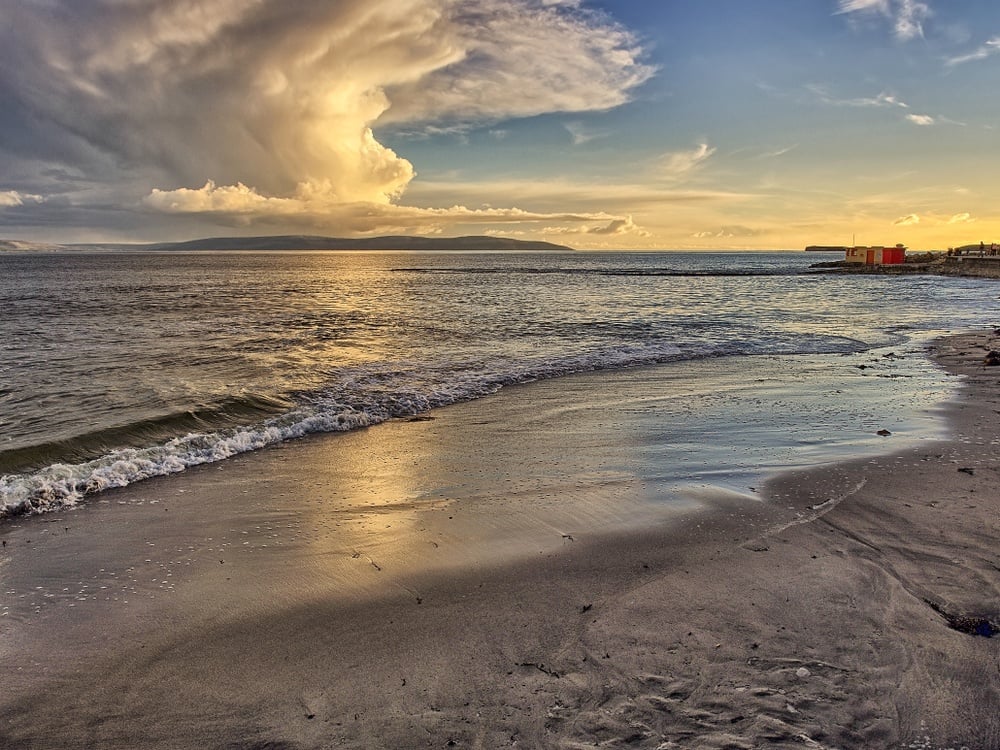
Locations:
(931, 263)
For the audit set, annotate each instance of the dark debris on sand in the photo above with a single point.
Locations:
(980, 626)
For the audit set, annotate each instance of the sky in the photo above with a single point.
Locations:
(611, 124)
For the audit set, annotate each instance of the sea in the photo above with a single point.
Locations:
(118, 367)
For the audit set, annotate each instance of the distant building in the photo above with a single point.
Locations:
(876, 256)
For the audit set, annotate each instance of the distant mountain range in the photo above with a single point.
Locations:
(303, 242)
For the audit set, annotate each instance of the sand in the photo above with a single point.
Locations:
(378, 600)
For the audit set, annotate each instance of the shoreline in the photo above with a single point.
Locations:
(817, 618)
(676, 390)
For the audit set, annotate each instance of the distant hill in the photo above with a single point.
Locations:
(825, 249)
(294, 242)
(307, 242)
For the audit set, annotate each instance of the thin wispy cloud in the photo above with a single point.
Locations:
(883, 99)
(907, 221)
(778, 152)
(581, 134)
(850, 6)
(727, 232)
(989, 49)
(586, 195)
(910, 18)
(680, 164)
(962, 218)
(906, 17)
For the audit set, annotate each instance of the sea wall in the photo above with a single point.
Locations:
(984, 267)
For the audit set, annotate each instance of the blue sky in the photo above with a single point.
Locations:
(603, 125)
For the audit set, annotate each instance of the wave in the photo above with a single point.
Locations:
(360, 399)
(230, 411)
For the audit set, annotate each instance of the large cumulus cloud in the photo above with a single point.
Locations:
(255, 109)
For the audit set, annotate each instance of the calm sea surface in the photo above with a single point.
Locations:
(118, 367)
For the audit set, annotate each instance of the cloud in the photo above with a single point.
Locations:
(12, 198)
(962, 218)
(504, 233)
(175, 93)
(522, 58)
(906, 16)
(728, 232)
(850, 6)
(890, 100)
(906, 221)
(581, 134)
(553, 192)
(620, 226)
(883, 99)
(910, 17)
(990, 48)
(615, 227)
(680, 164)
(777, 152)
(315, 204)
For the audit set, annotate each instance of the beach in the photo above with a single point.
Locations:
(408, 586)
(431, 374)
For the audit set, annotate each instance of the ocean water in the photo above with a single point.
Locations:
(119, 367)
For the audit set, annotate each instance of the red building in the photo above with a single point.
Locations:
(876, 256)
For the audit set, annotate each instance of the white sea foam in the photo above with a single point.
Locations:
(376, 396)
(64, 485)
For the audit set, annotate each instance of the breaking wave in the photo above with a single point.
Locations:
(361, 398)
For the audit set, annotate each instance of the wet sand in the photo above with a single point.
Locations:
(420, 586)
